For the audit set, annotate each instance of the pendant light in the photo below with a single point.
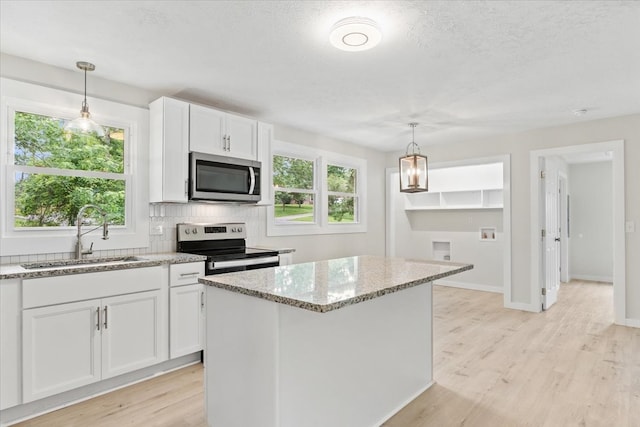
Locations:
(413, 168)
(84, 124)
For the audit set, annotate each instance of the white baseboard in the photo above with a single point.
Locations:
(523, 306)
(634, 323)
(607, 279)
(471, 286)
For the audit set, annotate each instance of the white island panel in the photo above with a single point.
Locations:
(270, 364)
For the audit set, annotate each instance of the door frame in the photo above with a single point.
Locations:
(619, 250)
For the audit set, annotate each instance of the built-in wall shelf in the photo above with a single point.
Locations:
(463, 199)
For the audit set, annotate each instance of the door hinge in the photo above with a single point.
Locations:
(544, 291)
(543, 233)
(542, 175)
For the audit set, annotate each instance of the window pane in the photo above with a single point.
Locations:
(341, 179)
(293, 208)
(50, 200)
(41, 141)
(289, 172)
(342, 209)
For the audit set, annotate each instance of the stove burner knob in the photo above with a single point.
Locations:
(186, 231)
(239, 229)
(233, 230)
(195, 231)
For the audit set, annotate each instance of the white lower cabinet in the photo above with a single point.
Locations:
(70, 345)
(186, 325)
(186, 309)
(82, 328)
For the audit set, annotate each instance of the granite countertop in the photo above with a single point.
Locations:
(90, 265)
(324, 286)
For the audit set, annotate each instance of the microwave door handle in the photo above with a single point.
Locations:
(252, 180)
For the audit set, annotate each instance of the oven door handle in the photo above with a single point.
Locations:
(217, 265)
(252, 180)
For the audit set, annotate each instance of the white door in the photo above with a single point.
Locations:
(551, 236)
(186, 319)
(243, 136)
(61, 348)
(207, 130)
(131, 333)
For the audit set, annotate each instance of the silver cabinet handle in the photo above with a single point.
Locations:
(202, 299)
(229, 143)
(186, 187)
(99, 320)
(195, 273)
(105, 317)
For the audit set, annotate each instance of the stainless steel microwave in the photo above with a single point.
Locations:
(221, 178)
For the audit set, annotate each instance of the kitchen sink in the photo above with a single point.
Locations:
(79, 262)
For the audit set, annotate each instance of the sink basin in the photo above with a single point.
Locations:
(79, 262)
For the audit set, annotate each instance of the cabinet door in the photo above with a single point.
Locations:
(61, 348)
(10, 343)
(168, 150)
(186, 319)
(207, 130)
(242, 136)
(131, 333)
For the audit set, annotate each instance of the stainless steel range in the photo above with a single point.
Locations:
(225, 247)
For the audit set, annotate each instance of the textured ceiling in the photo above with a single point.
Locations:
(462, 69)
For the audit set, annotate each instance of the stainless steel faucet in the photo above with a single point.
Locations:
(105, 230)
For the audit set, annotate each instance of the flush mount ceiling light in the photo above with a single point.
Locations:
(84, 124)
(413, 168)
(355, 34)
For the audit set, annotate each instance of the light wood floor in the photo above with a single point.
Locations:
(569, 366)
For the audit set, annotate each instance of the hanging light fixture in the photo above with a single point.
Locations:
(413, 168)
(84, 124)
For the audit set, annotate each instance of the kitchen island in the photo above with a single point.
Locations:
(342, 342)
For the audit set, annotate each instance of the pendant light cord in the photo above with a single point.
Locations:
(413, 144)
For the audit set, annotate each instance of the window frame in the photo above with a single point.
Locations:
(30, 98)
(322, 158)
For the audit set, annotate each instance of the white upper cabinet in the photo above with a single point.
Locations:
(217, 132)
(168, 150)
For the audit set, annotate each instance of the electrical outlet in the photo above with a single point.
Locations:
(630, 227)
(156, 230)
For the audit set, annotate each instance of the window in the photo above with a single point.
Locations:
(342, 197)
(294, 190)
(48, 175)
(57, 173)
(315, 192)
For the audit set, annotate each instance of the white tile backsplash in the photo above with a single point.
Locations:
(170, 214)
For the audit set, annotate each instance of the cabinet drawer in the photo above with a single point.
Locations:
(78, 287)
(185, 274)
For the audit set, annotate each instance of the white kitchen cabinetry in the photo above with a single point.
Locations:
(186, 309)
(265, 139)
(168, 150)
(216, 132)
(10, 339)
(70, 344)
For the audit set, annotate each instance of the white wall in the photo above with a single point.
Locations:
(519, 146)
(591, 243)
(308, 248)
